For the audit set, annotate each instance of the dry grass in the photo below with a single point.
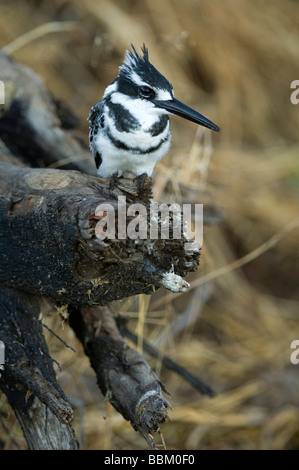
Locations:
(234, 61)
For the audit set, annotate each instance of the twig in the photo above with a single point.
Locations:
(56, 336)
(33, 34)
(170, 364)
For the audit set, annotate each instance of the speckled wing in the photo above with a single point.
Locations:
(96, 120)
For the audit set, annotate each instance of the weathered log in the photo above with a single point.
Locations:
(123, 375)
(35, 126)
(48, 247)
(48, 242)
(28, 379)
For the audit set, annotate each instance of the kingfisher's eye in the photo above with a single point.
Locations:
(146, 92)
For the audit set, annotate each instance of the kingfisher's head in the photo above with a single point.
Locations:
(141, 86)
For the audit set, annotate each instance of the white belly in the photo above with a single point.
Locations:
(116, 160)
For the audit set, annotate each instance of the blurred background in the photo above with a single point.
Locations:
(234, 62)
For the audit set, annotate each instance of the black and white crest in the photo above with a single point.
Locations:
(135, 65)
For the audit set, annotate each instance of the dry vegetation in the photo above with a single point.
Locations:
(234, 61)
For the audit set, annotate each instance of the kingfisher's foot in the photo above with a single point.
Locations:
(113, 183)
(141, 179)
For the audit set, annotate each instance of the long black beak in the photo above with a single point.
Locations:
(175, 106)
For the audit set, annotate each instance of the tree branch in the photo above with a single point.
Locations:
(123, 375)
(29, 380)
(48, 242)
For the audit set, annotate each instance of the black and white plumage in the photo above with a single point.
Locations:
(129, 127)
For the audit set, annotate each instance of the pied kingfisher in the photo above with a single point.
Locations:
(129, 127)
